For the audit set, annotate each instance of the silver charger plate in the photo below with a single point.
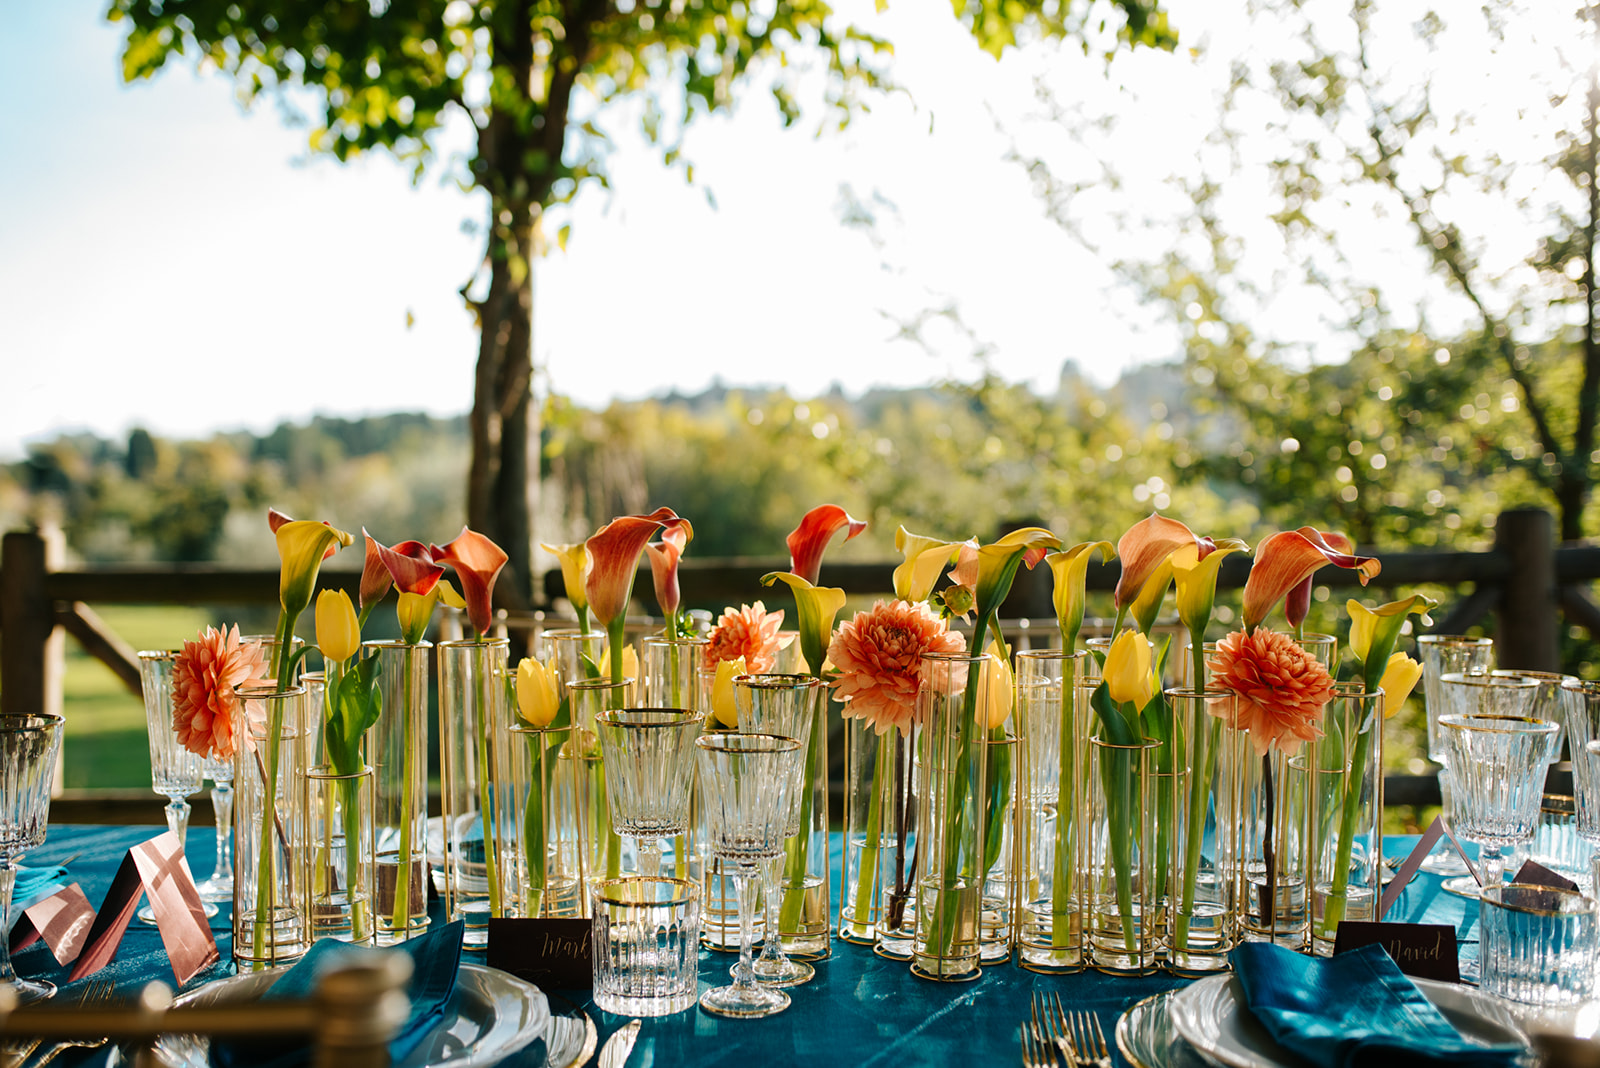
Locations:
(1211, 1016)
(491, 1015)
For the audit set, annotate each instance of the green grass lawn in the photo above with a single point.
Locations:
(106, 744)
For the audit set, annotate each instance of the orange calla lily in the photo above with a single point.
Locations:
(477, 562)
(614, 558)
(664, 556)
(1143, 549)
(809, 539)
(1289, 558)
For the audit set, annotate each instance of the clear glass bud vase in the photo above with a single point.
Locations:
(547, 873)
(339, 889)
(474, 744)
(1270, 902)
(600, 847)
(1053, 714)
(1345, 771)
(952, 814)
(1119, 856)
(397, 749)
(1204, 843)
(269, 872)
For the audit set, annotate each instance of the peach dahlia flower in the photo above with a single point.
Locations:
(749, 631)
(1281, 688)
(205, 710)
(878, 655)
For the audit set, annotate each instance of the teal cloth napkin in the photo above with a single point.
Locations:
(435, 958)
(1352, 1009)
(33, 885)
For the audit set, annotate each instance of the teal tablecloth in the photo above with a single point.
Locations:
(861, 1010)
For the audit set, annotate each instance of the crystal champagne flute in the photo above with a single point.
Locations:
(175, 772)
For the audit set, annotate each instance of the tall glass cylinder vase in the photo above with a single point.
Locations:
(953, 780)
(869, 842)
(1345, 814)
(1000, 909)
(1270, 902)
(397, 750)
(1054, 718)
(269, 869)
(899, 861)
(341, 888)
(569, 647)
(1119, 858)
(474, 726)
(601, 848)
(1204, 843)
(547, 874)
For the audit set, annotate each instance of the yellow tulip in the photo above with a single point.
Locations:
(338, 633)
(1399, 679)
(724, 708)
(630, 663)
(538, 698)
(999, 694)
(1129, 670)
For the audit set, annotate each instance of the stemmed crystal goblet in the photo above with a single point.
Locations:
(785, 706)
(1495, 694)
(649, 761)
(1497, 763)
(175, 772)
(28, 749)
(1442, 654)
(1581, 702)
(747, 780)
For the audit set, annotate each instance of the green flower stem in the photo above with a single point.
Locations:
(491, 860)
(1333, 909)
(533, 828)
(1066, 823)
(615, 642)
(795, 850)
(1204, 757)
(360, 921)
(265, 878)
(400, 921)
(867, 873)
(1116, 774)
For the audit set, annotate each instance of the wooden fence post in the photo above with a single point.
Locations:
(1528, 626)
(32, 647)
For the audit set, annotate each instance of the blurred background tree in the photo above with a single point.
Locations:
(540, 79)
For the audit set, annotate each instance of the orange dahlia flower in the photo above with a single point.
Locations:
(749, 631)
(1281, 688)
(878, 655)
(205, 711)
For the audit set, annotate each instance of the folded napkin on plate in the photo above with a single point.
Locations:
(436, 958)
(34, 885)
(1354, 1008)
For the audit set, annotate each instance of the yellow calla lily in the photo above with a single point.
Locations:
(415, 612)
(338, 633)
(302, 544)
(999, 560)
(925, 560)
(817, 606)
(1374, 631)
(448, 594)
(1147, 605)
(1070, 569)
(1399, 679)
(1196, 578)
(575, 565)
(538, 696)
(1000, 690)
(724, 707)
(1129, 672)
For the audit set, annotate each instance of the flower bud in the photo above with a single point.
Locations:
(338, 632)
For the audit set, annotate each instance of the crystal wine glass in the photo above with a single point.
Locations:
(748, 780)
(175, 772)
(1495, 694)
(785, 706)
(1582, 701)
(649, 761)
(1441, 654)
(28, 749)
(1497, 764)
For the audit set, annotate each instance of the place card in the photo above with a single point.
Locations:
(62, 920)
(1408, 868)
(1535, 874)
(155, 869)
(1422, 950)
(551, 954)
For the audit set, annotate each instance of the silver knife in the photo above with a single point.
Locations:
(615, 1052)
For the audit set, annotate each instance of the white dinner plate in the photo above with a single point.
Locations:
(492, 1014)
(1212, 1016)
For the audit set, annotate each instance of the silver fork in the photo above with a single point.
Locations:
(1088, 1041)
(96, 993)
(1051, 1027)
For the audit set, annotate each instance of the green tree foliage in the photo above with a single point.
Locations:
(540, 80)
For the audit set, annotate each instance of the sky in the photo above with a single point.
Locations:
(171, 261)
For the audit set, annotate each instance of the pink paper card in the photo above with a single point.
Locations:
(62, 920)
(156, 869)
(1408, 869)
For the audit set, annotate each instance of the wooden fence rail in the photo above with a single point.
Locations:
(1525, 580)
